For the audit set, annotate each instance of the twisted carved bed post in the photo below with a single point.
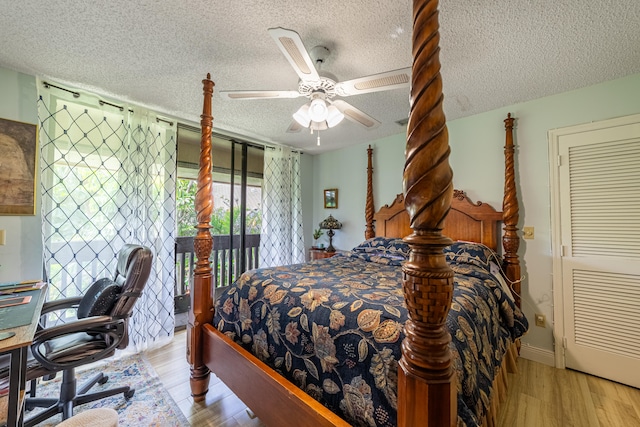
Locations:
(201, 312)
(425, 366)
(510, 239)
(369, 232)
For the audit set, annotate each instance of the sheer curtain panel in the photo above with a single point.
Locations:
(108, 178)
(282, 238)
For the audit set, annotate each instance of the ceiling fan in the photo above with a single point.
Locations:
(322, 111)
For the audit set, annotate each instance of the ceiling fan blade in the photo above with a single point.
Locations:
(355, 115)
(259, 94)
(384, 81)
(293, 49)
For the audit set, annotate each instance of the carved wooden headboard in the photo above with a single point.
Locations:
(473, 222)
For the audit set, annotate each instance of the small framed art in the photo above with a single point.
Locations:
(331, 198)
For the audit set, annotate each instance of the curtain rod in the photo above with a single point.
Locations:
(47, 85)
(169, 122)
(75, 94)
(119, 107)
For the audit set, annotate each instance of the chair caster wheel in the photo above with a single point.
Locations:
(103, 380)
(129, 394)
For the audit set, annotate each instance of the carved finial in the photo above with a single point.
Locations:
(508, 122)
(459, 194)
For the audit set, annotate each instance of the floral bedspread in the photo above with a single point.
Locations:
(333, 327)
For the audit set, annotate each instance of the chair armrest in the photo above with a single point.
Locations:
(57, 305)
(95, 324)
(60, 304)
(111, 329)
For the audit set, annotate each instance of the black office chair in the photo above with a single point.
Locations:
(100, 328)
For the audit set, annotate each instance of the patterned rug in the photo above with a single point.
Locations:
(151, 405)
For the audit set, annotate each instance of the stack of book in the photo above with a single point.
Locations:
(9, 292)
(13, 287)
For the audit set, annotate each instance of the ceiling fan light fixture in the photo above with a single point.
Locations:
(334, 116)
(318, 125)
(318, 110)
(302, 116)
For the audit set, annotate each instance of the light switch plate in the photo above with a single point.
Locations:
(528, 232)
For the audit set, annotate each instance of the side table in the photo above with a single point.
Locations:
(320, 254)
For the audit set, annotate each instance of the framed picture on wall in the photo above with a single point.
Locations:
(331, 198)
(19, 148)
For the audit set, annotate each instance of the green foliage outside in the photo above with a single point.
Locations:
(220, 218)
(97, 191)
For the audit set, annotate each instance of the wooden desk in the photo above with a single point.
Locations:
(17, 347)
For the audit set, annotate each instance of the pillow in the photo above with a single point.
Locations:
(99, 299)
(384, 246)
(462, 252)
(471, 253)
(379, 257)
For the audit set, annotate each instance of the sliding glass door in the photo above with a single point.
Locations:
(237, 177)
(236, 217)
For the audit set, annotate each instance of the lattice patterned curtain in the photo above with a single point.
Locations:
(108, 178)
(281, 239)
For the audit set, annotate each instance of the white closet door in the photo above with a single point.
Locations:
(599, 179)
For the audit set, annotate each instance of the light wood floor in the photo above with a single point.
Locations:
(538, 396)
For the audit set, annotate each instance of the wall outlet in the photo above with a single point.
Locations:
(540, 320)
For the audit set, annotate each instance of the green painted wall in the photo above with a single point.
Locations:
(21, 257)
(477, 160)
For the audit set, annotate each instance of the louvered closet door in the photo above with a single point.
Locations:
(600, 222)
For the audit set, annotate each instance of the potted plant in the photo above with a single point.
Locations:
(316, 235)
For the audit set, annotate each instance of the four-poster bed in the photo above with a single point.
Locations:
(426, 390)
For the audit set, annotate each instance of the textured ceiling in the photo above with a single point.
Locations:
(155, 53)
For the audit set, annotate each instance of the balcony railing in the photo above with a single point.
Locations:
(223, 258)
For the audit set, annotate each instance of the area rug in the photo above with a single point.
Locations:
(151, 404)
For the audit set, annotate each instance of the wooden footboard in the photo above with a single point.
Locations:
(276, 401)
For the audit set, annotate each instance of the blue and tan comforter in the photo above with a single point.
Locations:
(333, 327)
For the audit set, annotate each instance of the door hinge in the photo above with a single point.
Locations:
(563, 250)
(564, 342)
(559, 160)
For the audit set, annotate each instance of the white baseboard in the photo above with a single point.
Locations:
(538, 354)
